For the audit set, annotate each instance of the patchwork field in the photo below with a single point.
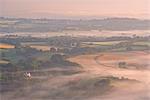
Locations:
(74, 59)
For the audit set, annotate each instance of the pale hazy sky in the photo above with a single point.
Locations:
(74, 8)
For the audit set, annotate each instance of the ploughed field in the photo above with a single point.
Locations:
(6, 46)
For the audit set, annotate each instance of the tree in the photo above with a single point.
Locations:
(56, 58)
(53, 49)
(129, 48)
(122, 64)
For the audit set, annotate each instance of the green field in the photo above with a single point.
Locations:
(142, 43)
(94, 44)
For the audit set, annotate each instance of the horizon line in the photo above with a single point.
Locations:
(73, 18)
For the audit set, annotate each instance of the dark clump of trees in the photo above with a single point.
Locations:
(10, 77)
(8, 67)
(129, 48)
(102, 82)
(59, 60)
(53, 49)
(122, 64)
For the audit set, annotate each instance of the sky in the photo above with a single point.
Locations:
(75, 8)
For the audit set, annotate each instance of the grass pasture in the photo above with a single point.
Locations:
(142, 43)
(37, 45)
(40, 47)
(94, 44)
(33, 43)
(8, 22)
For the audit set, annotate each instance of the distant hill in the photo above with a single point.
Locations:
(9, 25)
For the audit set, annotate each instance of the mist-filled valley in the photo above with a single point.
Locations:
(56, 59)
